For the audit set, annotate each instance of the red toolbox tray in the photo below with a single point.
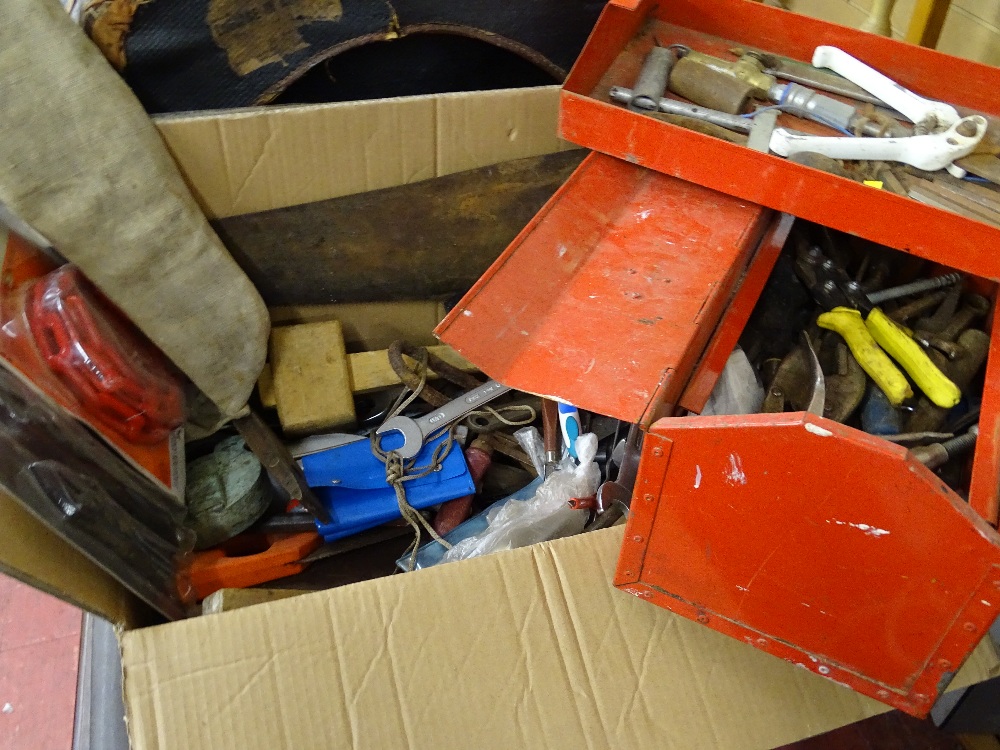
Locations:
(608, 298)
(624, 34)
(814, 541)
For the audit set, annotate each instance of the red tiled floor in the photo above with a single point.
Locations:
(39, 657)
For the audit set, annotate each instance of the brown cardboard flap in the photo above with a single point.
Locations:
(257, 159)
(529, 648)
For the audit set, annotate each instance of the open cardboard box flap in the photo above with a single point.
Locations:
(528, 648)
(532, 647)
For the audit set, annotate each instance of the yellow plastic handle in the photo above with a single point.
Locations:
(907, 352)
(851, 327)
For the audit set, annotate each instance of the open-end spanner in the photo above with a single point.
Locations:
(415, 431)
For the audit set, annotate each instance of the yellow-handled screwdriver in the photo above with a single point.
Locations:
(872, 336)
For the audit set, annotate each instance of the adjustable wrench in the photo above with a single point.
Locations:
(415, 431)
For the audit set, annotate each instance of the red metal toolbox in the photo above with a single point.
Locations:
(623, 36)
(609, 296)
(811, 540)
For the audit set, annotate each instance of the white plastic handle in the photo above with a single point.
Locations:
(916, 108)
(929, 152)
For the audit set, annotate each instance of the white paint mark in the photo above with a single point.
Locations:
(805, 605)
(742, 588)
(525, 333)
(562, 250)
(800, 664)
(815, 430)
(985, 602)
(467, 313)
(643, 215)
(869, 530)
(813, 659)
(735, 475)
(823, 669)
(697, 476)
(590, 366)
(592, 296)
(7, 708)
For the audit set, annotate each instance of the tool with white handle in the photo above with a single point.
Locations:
(928, 113)
(930, 152)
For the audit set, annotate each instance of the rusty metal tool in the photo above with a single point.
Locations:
(764, 123)
(845, 387)
(914, 287)
(416, 431)
(944, 313)
(623, 95)
(615, 497)
(817, 385)
(799, 72)
(279, 464)
(974, 306)
(711, 89)
(917, 307)
(935, 455)
(708, 87)
(975, 346)
(749, 68)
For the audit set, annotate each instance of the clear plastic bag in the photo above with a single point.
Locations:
(546, 515)
(738, 390)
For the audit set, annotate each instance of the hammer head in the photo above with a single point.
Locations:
(413, 438)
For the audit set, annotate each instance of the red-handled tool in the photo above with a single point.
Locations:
(116, 375)
(249, 559)
(479, 457)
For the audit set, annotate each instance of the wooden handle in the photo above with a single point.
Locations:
(550, 426)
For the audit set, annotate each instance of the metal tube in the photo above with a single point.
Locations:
(652, 81)
(914, 287)
(670, 106)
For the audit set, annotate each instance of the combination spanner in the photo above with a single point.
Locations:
(415, 431)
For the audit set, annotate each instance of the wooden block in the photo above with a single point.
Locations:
(371, 371)
(226, 600)
(986, 166)
(370, 326)
(265, 387)
(312, 382)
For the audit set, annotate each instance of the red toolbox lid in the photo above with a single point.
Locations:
(608, 297)
(624, 34)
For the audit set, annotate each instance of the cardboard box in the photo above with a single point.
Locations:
(529, 648)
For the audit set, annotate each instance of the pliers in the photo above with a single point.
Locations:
(871, 335)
